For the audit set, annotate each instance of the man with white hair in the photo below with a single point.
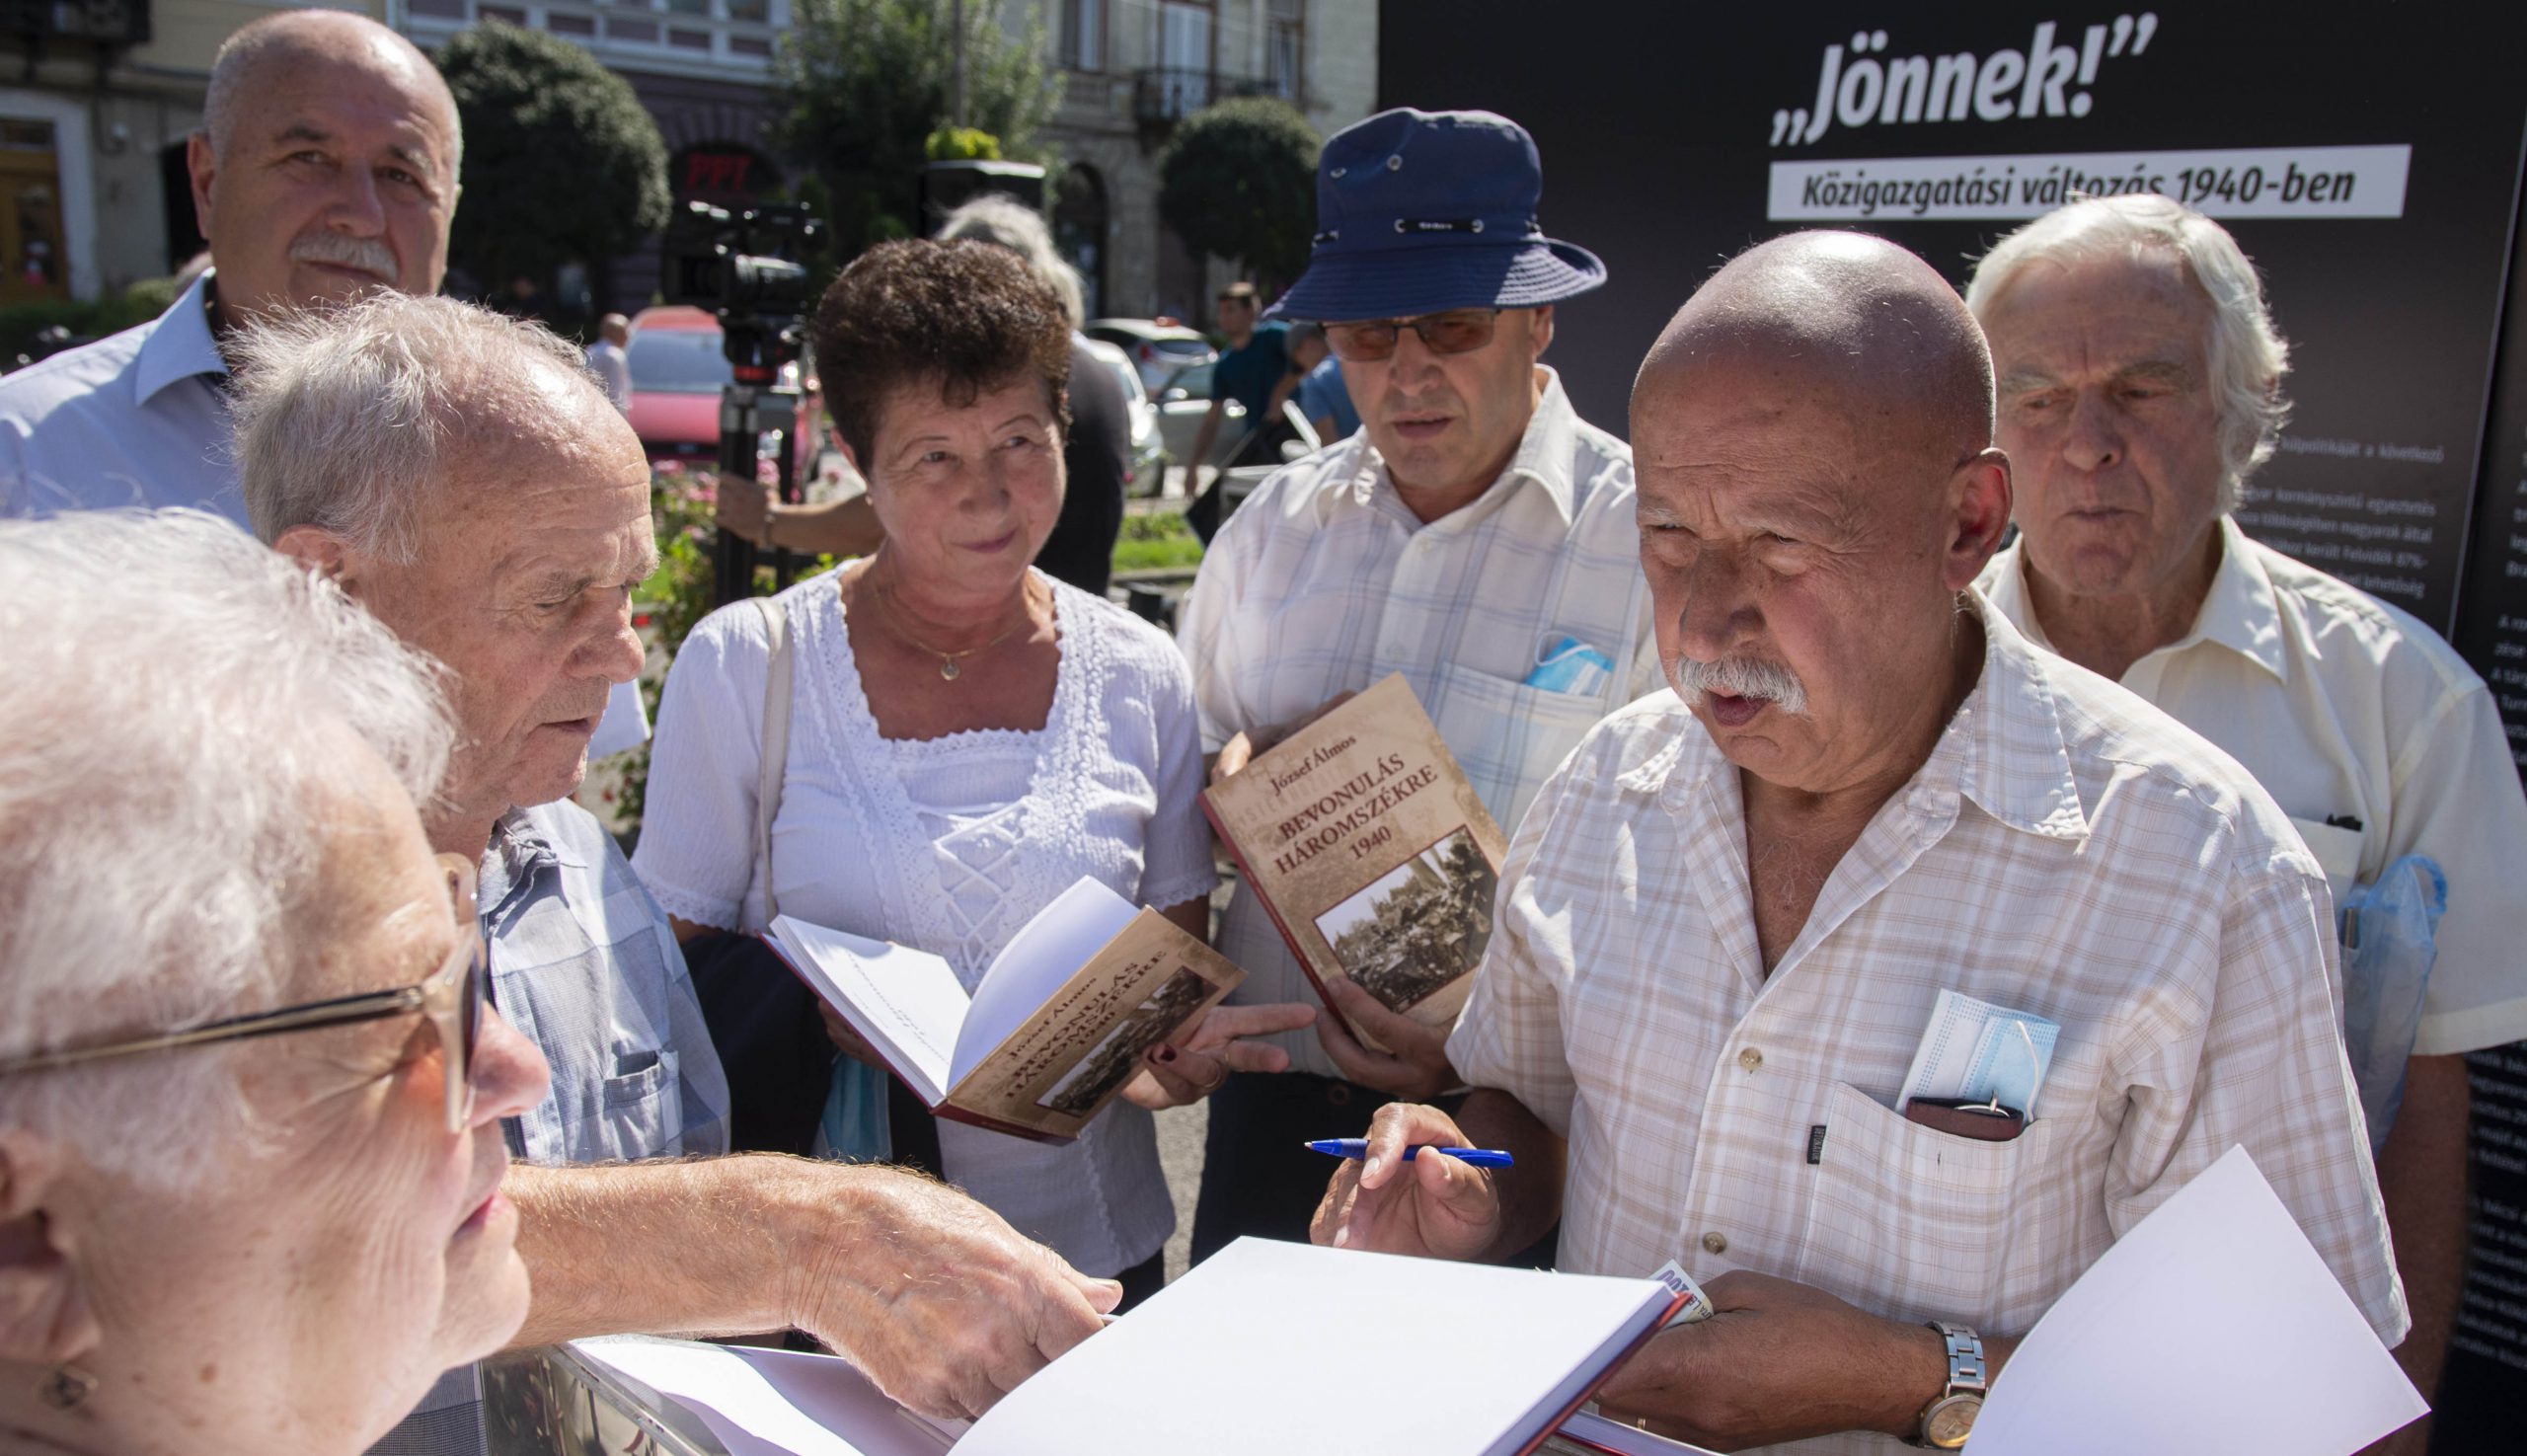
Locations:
(1738, 907)
(459, 475)
(326, 168)
(2140, 382)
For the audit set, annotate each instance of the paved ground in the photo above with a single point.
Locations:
(1180, 1150)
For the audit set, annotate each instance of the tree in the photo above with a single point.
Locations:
(864, 85)
(561, 161)
(1240, 181)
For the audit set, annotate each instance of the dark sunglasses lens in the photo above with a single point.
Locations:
(1456, 334)
(477, 994)
(1362, 342)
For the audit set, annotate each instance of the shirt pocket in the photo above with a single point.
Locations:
(641, 1110)
(2337, 853)
(1913, 1221)
(1508, 736)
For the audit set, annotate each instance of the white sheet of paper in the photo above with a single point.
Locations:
(906, 1002)
(1047, 952)
(2211, 1328)
(775, 1403)
(1268, 1349)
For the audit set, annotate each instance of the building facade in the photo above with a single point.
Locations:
(1132, 69)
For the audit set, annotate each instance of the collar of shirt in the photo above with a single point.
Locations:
(2004, 750)
(1542, 456)
(2240, 612)
(519, 856)
(181, 347)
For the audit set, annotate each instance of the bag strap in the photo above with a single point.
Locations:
(776, 744)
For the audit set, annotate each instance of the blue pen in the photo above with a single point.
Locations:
(1358, 1147)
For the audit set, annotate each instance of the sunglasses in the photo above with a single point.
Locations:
(1458, 331)
(452, 998)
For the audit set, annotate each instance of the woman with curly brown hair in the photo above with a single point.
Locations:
(965, 738)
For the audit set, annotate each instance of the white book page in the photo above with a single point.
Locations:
(2220, 1271)
(1269, 1349)
(775, 1403)
(1047, 952)
(906, 1002)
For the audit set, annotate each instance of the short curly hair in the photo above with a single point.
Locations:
(966, 317)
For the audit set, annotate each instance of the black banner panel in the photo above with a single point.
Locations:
(2366, 156)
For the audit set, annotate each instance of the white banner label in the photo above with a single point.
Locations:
(2262, 181)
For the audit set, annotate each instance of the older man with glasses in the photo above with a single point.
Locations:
(1473, 527)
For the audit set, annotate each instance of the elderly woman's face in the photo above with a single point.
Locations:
(967, 493)
(326, 1268)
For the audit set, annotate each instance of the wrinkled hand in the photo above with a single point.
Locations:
(1433, 1207)
(936, 1299)
(1780, 1361)
(744, 506)
(849, 1042)
(1193, 1066)
(1414, 1066)
(1238, 752)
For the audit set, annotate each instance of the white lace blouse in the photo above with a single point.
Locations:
(948, 845)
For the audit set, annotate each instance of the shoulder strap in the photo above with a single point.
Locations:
(776, 744)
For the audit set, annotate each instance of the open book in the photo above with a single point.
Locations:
(1053, 1029)
(1264, 1348)
(1371, 852)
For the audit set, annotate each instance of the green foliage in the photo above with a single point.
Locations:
(1239, 180)
(561, 161)
(865, 84)
(86, 319)
(960, 144)
(1159, 541)
(149, 298)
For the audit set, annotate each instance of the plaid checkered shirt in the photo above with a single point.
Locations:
(2067, 851)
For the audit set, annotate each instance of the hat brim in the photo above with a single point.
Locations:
(1402, 283)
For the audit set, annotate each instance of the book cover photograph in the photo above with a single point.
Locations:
(1054, 1028)
(1370, 849)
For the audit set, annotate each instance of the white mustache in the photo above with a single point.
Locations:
(365, 254)
(1739, 677)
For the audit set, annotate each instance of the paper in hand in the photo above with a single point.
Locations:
(1697, 1306)
(1976, 1051)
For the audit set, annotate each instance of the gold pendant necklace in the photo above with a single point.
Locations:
(948, 671)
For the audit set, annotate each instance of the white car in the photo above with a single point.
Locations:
(1145, 466)
(1156, 350)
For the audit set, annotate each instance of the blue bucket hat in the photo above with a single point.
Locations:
(1417, 212)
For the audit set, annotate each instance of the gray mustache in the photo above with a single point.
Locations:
(1739, 678)
(366, 253)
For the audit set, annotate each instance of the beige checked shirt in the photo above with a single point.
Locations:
(1325, 581)
(2351, 712)
(2066, 851)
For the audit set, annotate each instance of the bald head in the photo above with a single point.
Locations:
(261, 49)
(1852, 317)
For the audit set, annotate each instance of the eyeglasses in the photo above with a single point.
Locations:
(453, 998)
(1458, 331)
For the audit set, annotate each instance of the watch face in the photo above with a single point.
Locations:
(1950, 1421)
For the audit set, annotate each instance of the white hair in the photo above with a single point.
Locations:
(233, 65)
(1003, 220)
(347, 419)
(2248, 356)
(170, 737)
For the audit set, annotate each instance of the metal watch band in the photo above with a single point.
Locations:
(1965, 1372)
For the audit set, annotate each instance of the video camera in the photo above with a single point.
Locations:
(738, 262)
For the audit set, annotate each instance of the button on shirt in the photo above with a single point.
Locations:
(2065, 851)
(1323, 581)
(138, 419)
(2348, 709)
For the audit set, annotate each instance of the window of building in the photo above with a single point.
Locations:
(1285, 48)
(1084, 34)
(1184, 56)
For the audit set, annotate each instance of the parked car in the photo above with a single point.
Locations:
(1182, 401)
(1145, 465)
(1156, 349)
(678, 371)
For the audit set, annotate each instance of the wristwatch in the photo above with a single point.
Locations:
(1950, 1416)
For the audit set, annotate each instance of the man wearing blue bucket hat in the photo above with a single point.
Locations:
(1476, 535)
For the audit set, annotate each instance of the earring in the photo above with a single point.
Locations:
(66, 1387)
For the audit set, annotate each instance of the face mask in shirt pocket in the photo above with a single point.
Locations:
(1917, 1221)
(1508, 736)
(643, 1110)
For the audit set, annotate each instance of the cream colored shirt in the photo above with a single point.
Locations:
(1323, 581)
(2066, 851)
(2346, 709)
